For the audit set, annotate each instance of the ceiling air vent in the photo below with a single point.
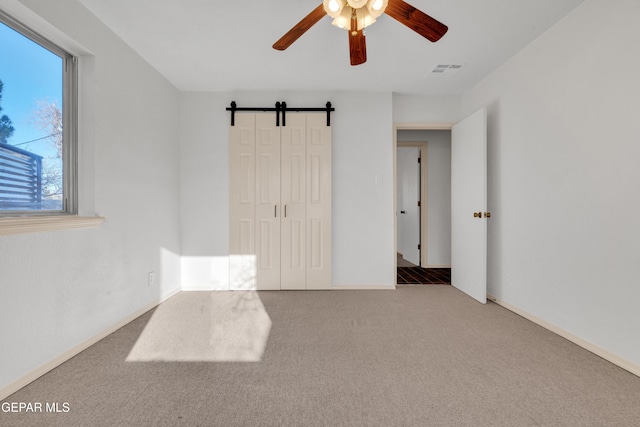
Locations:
(446, 69)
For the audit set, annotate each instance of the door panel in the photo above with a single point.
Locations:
(296, 243)
(469, 196)
(316, 244)
(294, 191)
(318, 202)
(268, 209)
(242, 253)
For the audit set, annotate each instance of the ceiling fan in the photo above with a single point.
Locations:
(355, 15)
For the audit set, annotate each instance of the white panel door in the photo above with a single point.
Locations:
(408, 199)
(268, 209)
(318, 202)
(294, 202)
(469, 205)
(242, 253)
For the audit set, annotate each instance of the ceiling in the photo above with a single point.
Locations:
(216, 45)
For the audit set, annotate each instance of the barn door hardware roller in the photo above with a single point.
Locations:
(280, 109)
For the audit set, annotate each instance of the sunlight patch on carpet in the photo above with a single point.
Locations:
(227, 327)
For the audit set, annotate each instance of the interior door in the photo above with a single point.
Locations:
(469, 205)
(408, 203)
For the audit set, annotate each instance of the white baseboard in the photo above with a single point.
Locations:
(363, 288)
(37, 373)
(587, 345)
(332, 288)
(202, 288)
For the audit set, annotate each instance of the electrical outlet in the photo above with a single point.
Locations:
(152, 278)
(508, 279)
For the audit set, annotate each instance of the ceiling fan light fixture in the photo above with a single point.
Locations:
(334, 7)
(377, 7)
(357, 4)
(364, 18)
(344, 19)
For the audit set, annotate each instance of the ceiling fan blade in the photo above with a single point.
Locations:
(300, 28)
(415, 19)
(357, 47)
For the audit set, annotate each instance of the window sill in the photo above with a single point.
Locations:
(33, 224)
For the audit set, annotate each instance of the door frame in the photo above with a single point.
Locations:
(423, 212)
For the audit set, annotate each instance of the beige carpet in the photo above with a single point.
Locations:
(209, 327)
(417, 356)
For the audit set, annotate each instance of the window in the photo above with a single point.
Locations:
(37, 124)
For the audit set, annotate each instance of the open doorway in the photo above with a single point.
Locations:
(423, 202)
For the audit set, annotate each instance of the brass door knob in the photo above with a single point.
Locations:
(477, 214)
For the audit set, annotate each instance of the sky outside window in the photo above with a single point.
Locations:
(30, 73)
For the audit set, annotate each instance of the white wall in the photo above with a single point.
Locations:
(58, 289)
(438, 204)
(564, 144)
(204, 154)
(425, 109)
(363, 247)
